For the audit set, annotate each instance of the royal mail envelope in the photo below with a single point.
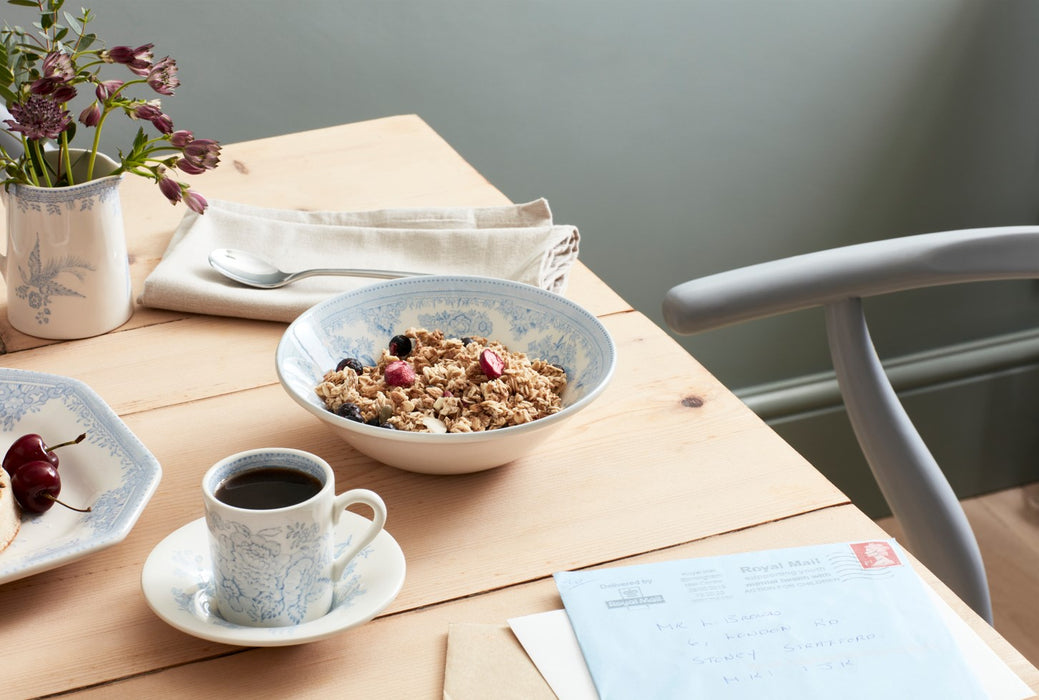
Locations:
(848, 620)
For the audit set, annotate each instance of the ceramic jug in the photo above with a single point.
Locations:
(66, 266)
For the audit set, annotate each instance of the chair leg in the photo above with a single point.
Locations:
(921, 499)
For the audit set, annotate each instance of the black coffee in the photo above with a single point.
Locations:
(264, 488)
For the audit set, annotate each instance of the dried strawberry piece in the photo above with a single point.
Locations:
(491, 364)
(399, 373)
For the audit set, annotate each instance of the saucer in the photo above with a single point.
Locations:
(177, 581)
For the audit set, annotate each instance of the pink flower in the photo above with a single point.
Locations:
(57, 72)
(163, 76)
(138, 60)
(56, 90)
(91, 116)
(58, 66)
(170, 188)
(201, 153)
(195, 202)
(187, 166)
(153, 114)
(39, 118)
(108, 88)
(181, 138)
(63, 93)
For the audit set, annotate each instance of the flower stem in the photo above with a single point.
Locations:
(67, 157)
(32, 171)
(39, 154)
(97, 143)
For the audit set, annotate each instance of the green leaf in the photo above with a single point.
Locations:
(46, 20)
(74, 23)
(86, 40)
(22, 3)
(8, 96)
(6, 76)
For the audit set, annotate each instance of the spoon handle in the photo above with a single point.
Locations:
(347, 272)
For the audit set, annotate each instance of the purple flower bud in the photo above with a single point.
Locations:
(181, 138)
(170, 188)
(190, 168)
(63, 93)
(91, 116)
(139, 59)
(195, 202)
(108, 88)
(163, 123)
(153, 114)
(146, 111)
(42, 86)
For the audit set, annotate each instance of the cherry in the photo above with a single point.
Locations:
(36, 486)
(491, 364)
(30, 448)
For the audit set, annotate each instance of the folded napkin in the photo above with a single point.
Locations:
(517, 242)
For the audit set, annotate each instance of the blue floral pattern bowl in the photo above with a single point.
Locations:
(522, 317)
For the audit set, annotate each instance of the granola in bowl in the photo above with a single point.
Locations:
(426, 382)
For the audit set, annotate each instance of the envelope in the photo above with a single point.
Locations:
(487, 661)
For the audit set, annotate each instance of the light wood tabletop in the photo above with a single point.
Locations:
(666, 464)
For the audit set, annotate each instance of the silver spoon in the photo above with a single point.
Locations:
(254, 271)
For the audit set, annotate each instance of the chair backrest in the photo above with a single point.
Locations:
(935, 527)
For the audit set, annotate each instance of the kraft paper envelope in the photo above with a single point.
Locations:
(487, 661)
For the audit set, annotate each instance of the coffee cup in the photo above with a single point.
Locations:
(271, 515)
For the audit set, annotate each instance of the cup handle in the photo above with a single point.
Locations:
(373, 501)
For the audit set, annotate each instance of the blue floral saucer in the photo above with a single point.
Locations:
(177, 582)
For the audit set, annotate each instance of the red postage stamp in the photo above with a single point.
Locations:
(875, 555)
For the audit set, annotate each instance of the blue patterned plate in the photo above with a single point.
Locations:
(522, 317)
(177, 581)
(110, 471)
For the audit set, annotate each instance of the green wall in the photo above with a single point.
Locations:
(683, 137)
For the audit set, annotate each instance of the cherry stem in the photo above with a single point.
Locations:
(62, 503)
(65, 444)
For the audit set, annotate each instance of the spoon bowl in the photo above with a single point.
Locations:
(253, 271)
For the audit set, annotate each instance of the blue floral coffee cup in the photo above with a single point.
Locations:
(272, 515)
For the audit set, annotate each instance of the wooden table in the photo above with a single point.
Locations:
(666, 464)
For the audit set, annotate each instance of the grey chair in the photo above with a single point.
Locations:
(935, 527)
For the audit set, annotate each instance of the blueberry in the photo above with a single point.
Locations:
(351, 362)
(350, 411)
(390, 426)
(400, 346)
(466, 340)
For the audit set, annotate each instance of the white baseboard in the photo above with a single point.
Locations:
(788, 399)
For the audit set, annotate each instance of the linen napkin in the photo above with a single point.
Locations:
(519, 242)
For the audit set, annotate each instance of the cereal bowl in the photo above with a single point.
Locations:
(523, 318)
